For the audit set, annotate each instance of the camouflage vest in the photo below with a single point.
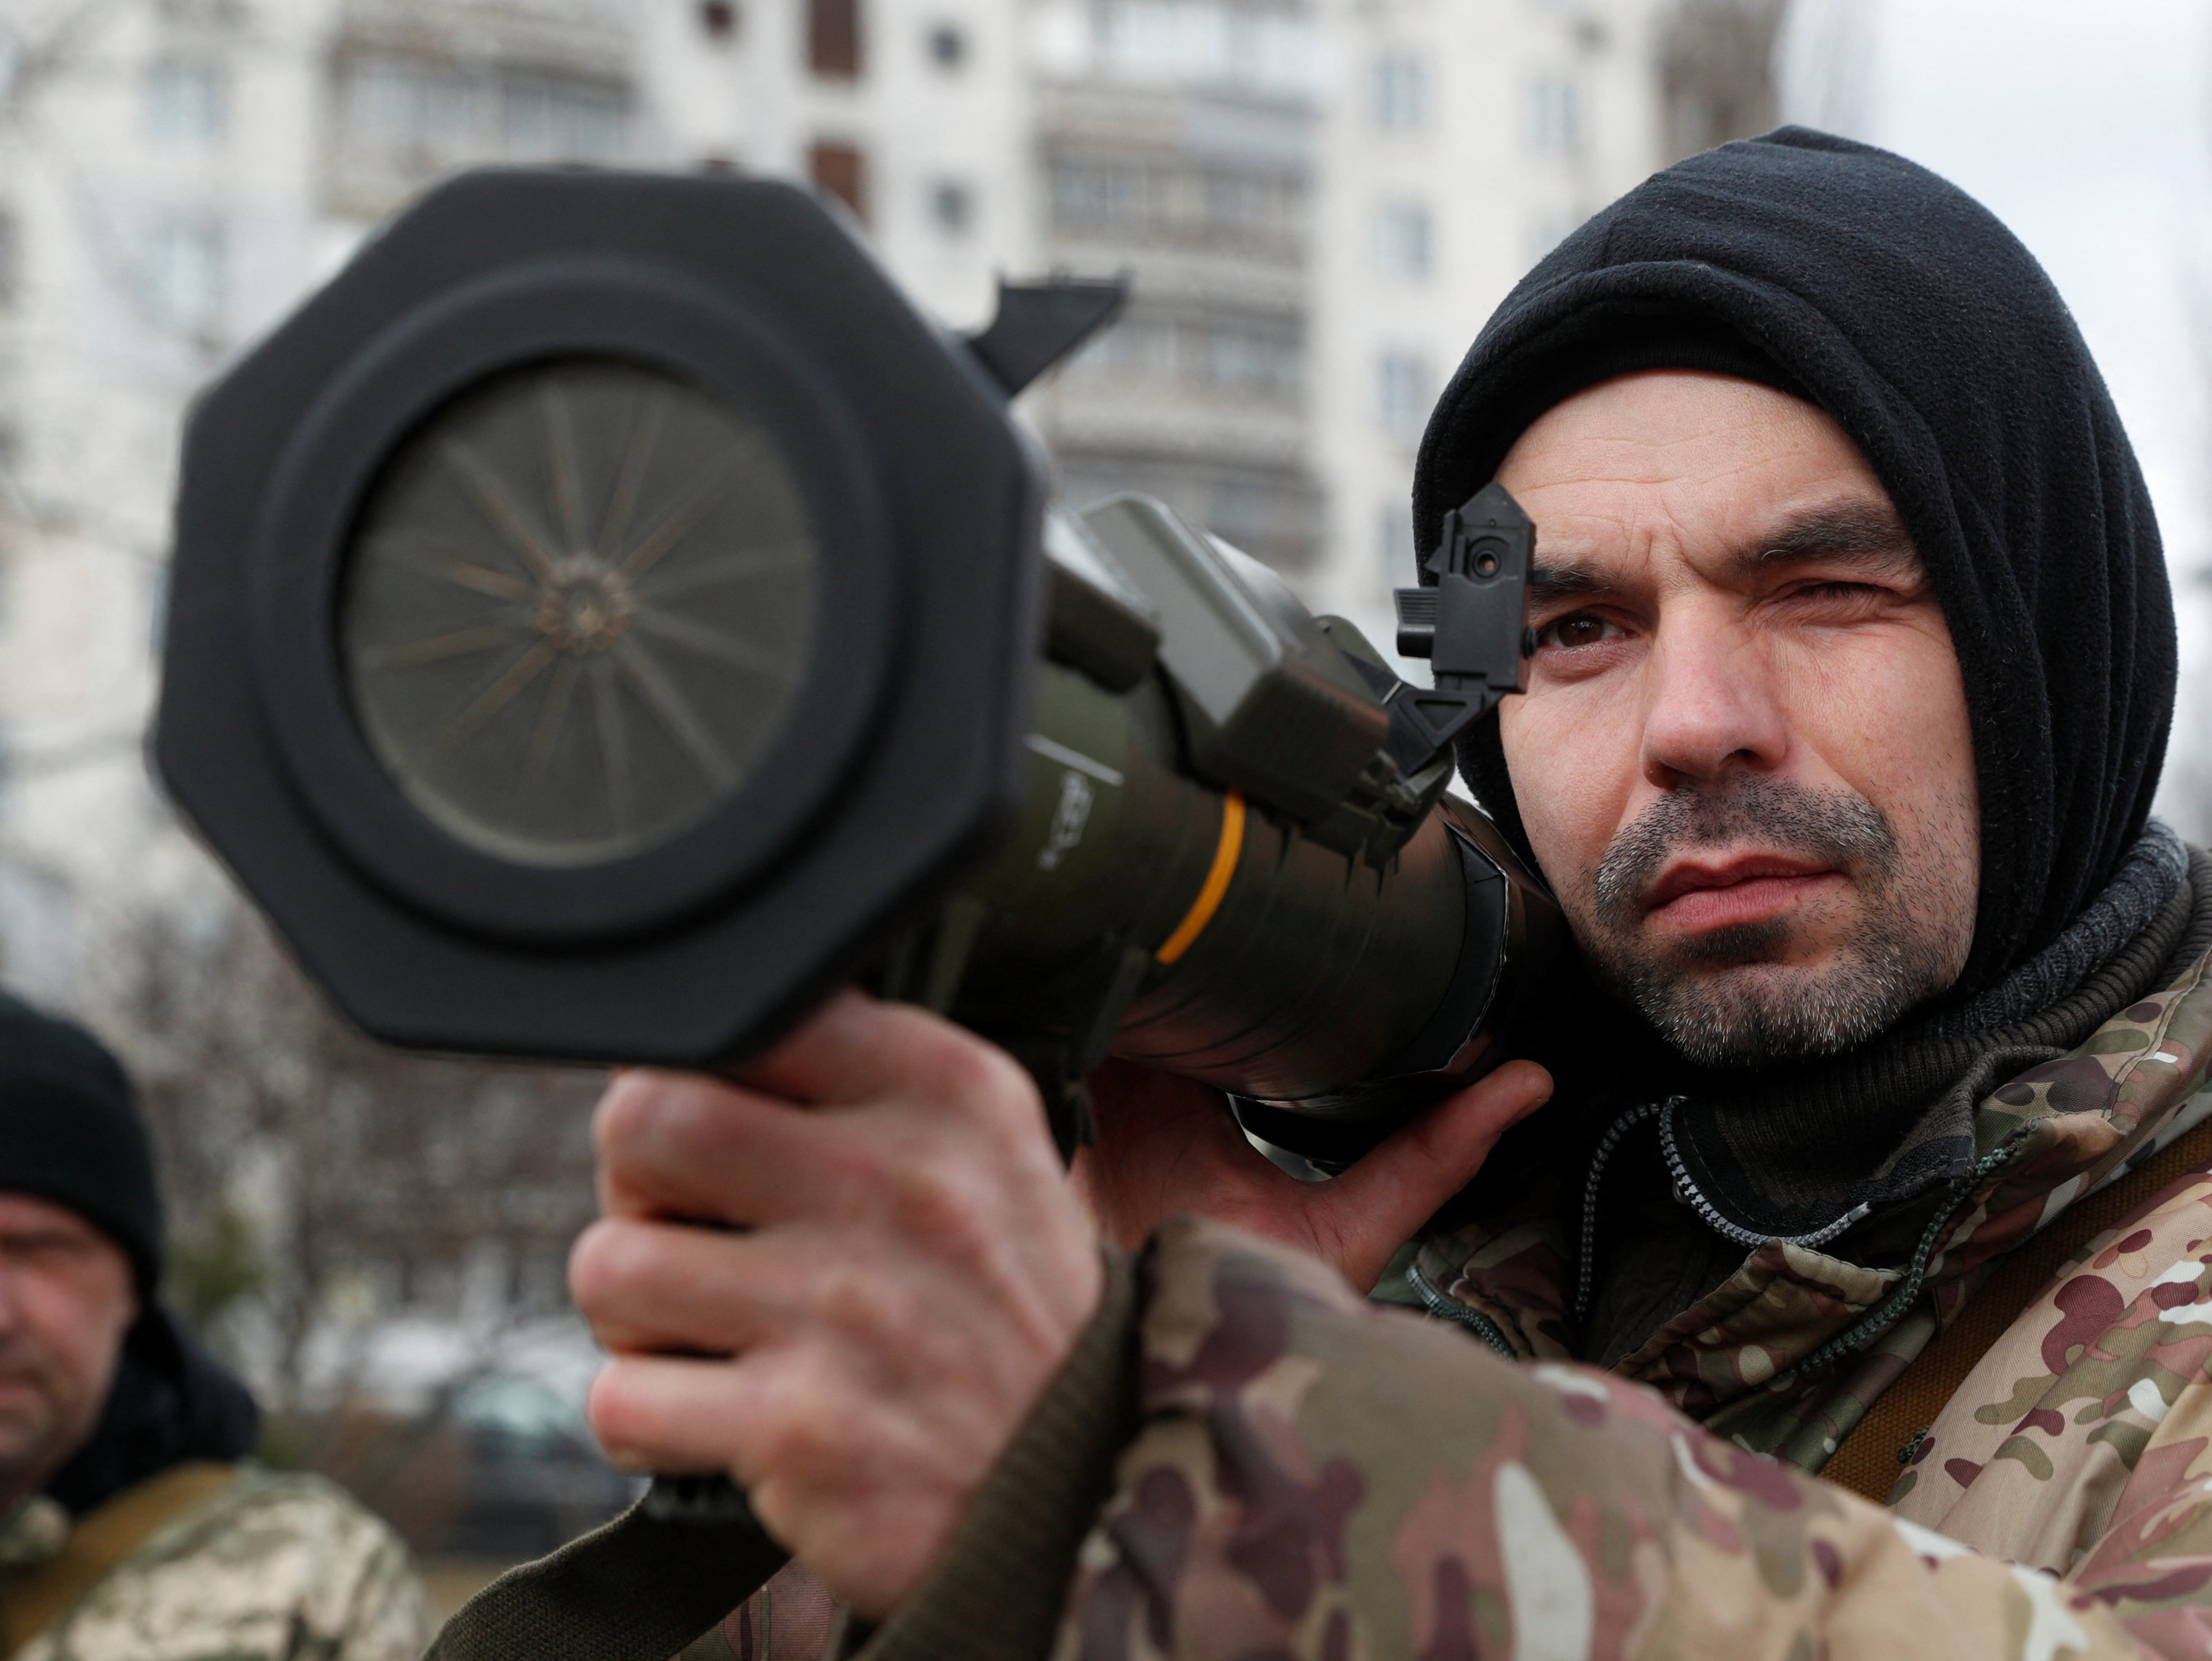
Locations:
(271, 1568)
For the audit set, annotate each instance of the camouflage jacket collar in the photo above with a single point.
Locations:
(1785, 1352)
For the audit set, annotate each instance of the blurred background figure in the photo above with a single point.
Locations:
(131, 1527)
(1319, 201)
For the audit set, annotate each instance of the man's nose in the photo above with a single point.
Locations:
(1710, 705)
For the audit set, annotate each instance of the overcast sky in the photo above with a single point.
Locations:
(2087, 126)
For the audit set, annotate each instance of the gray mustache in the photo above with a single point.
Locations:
(1831, 827)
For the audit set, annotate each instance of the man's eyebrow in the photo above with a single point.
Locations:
(1549, 585)
(1865, 533)
(1871, 534)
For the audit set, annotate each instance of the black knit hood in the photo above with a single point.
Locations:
(1888, 296)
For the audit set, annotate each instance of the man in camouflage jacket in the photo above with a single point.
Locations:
(130, 1530)
(1853, 664)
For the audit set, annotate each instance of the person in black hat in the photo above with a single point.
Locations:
(1853, 1295)
(131, 1523)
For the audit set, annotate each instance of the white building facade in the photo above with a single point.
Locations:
(175, 175)
(1463, 139)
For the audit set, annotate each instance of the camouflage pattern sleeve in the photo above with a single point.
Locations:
(1316, 1477)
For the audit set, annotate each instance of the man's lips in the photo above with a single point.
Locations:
(1700, 895)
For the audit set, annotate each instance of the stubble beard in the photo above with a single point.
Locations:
(36, 1431)
(1726, 999)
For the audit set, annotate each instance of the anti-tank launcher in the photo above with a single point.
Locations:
(608, 616)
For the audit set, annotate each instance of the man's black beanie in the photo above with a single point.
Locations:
(70, 1133)
(1863, 283)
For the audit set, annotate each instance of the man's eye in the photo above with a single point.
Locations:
(1577, 629)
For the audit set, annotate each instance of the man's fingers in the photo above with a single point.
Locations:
(664, 1413)
(779, 1424)
(1391, 1192)
(857, 1049)
(661, 1287)
(910, 1273)
(672, 1287)
(684, 1145)
(777, 1416)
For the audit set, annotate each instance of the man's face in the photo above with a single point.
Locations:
(65, 1301)
(1743, 759)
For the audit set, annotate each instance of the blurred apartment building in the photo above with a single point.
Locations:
(1461, 140)
(1318, 201)
(174, 174)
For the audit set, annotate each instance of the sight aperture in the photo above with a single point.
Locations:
(580, 606)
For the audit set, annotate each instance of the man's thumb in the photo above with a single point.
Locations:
(1382, 1199)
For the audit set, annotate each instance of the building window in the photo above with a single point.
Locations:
(409, 102)
(1264, 47)
(184, 273)
(948, 47)
(1401, 393)
(840, 170)
(437, 113)
(951, 207)
(553, 119)
(1402, 241)
(718, 19)
(1247, 364)
(1555, 121)
(1228, 359)
(1243, 511)
(1166, 205)
(1399, 93)
(185, 101)
(833, 38)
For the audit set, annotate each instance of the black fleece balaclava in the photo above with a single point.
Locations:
(1866, 284)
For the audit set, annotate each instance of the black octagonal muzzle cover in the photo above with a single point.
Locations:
(596, 614)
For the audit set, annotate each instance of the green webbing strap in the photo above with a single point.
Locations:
(639, 1589)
